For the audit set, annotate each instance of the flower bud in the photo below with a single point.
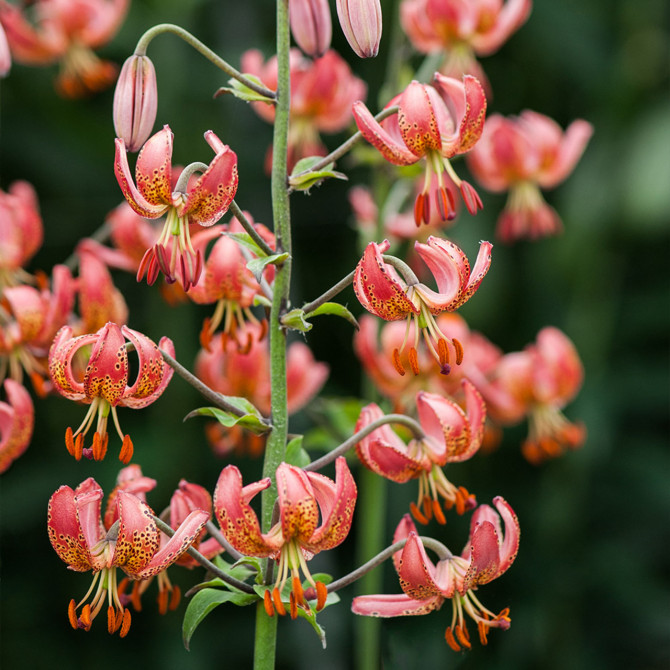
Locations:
(135, 101)
(361, 22)
(311, 26)
(5, 55)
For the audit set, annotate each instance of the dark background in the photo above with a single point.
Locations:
(589, 588)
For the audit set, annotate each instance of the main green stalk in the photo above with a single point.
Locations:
(266, 627)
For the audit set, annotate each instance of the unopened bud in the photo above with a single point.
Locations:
(361, 22)
(135, 101)
(311, 26)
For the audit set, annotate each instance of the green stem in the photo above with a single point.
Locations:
(143, 44)
(249, 228)
(275, 450)
(330, 293)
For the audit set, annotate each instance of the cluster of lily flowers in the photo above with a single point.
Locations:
(424, 359)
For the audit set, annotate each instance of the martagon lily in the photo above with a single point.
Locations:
(131, 543)
(487, 555)
(105, 382)
(384, 293)
(151, 196)
(297, 535)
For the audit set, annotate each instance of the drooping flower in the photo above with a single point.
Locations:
(437, 122)
(322, 92)
(384, 293)
(5, 54)
(17, 418)
(131, 543)
(522, 155)
(297, 535)
(361, 22)
(311, 26)
(487, 555)
(152, 196)
(66, 32)
(103, 382)
(463, 30)
(451, 436)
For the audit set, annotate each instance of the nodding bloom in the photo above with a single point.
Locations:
(487, 555)
(21, 233)
(103, 381)
(244, 371)
(203, 202)
(464, 30)
(132, 543)
(311, 26)
(543, 379)
(29, 318)
(17, 419)
(437, 122)
(322, 92)
(384, 293)
(361, 22)
(227, 281)
(451, 436)
(5, 54)
(304, 497)
(66, 32)
(523, 155)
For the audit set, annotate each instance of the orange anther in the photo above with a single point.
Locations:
(175, 598)
(38, 384)
(97, 448)
(442, 203)
(463, 636)
(206, 334)
(428, 507)
(451, 641)
(321, 595)
(72, 614)
(279, 605)
(294, 605)
(418, 209)
(439, 514)
(126, 450)
(85, 618)
(460, 503)
(267, 603)
(78, 446)
(459, 350)
(413, 360)
(416, 513)
(469, 500)
(483, 630)
(125, 623)
(69, 442)
(443, 352)
(397, 363)
(297, 589)
(111, 621)
(162, 601)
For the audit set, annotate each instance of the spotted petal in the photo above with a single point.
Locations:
(138, 537)
(151, 368)
(106, 374)
(417, 120)
(62, 352)
(392, 605)
(420, 579)
(298, 508)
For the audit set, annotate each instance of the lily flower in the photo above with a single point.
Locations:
(384, 293)
(105, 382)
(131, 543)
(66, 32)
(311, 26)
(17, 419)
(437, 122)
(297, 535)
(452, 436)
(487, 555)
(202, 203)
(523, 155)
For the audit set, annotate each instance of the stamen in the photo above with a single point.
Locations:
(85, 618)
(99, 448)
(413, 360)
(153, 271)
(463, 636)
(125, 624)
(483, 630)
(459, 350)
(111, 620)
(443, 352)
(418, 209)
(439, 514)
(321, 595)
(428, 507)
(162, 601)
(451, 641)
(267, 603)
(126, 450)
(297, 589)
(206, 334)
(397, 363)
(416, 513)
(442, 203)
(470, 197)
(294, 606)
(72, 614)
(279, 605)
(175, 598)
(71, 445)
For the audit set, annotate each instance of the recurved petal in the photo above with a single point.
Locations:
(150, 370)
(209, 200)
(416, 571)
(479, 271)
(298, 507)
(484, 556)
(510, 544)
(138, 537)
(106, 374)
(153, 170)
(62, 352)
(417, 120)
(445, 423)
(392, 605)
(392, 150)
(379, 288)
(28, 308)
(336, 502)
(237, 519)
(570, 150)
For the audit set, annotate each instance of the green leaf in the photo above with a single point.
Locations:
(247, 241)
(336, 309)
(257, 265)
(239, 90)
(251, 420)
(295, 454)
(204, 602)
(295, 319)
(303, 182)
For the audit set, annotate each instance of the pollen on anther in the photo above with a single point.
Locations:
(175, 598)
(417, 514)
(321, 595)
(279, 605)
(459, 350)
(439, 514)
(85, 618)
(451, 641)
(126, 450)
(443, 352)
(413, 360)
(294, 606)
(397, 363)
(72, 614)
(267, 603)
(125, 624)
(298, 590)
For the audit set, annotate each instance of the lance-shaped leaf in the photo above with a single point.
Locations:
(257, 265)
(336, 309)
(239, 90)
(251, 419)
(303, 177)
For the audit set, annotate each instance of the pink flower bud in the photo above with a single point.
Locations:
(5, 55)
(361, 22)
(311, 26)
(135, 101)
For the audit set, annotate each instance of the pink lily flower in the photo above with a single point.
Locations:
(381, 290)
(105, 382)
(304, 497)
(311, 26)
(132, 544)
(487, 555)
(66, 31)
(437, 122)
(17, 419)
(463, 30)
(5, 54)
(361, 23)
(452, 436)
(522, 155)
(202, 203)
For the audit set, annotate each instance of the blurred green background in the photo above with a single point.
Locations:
(589, 588)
